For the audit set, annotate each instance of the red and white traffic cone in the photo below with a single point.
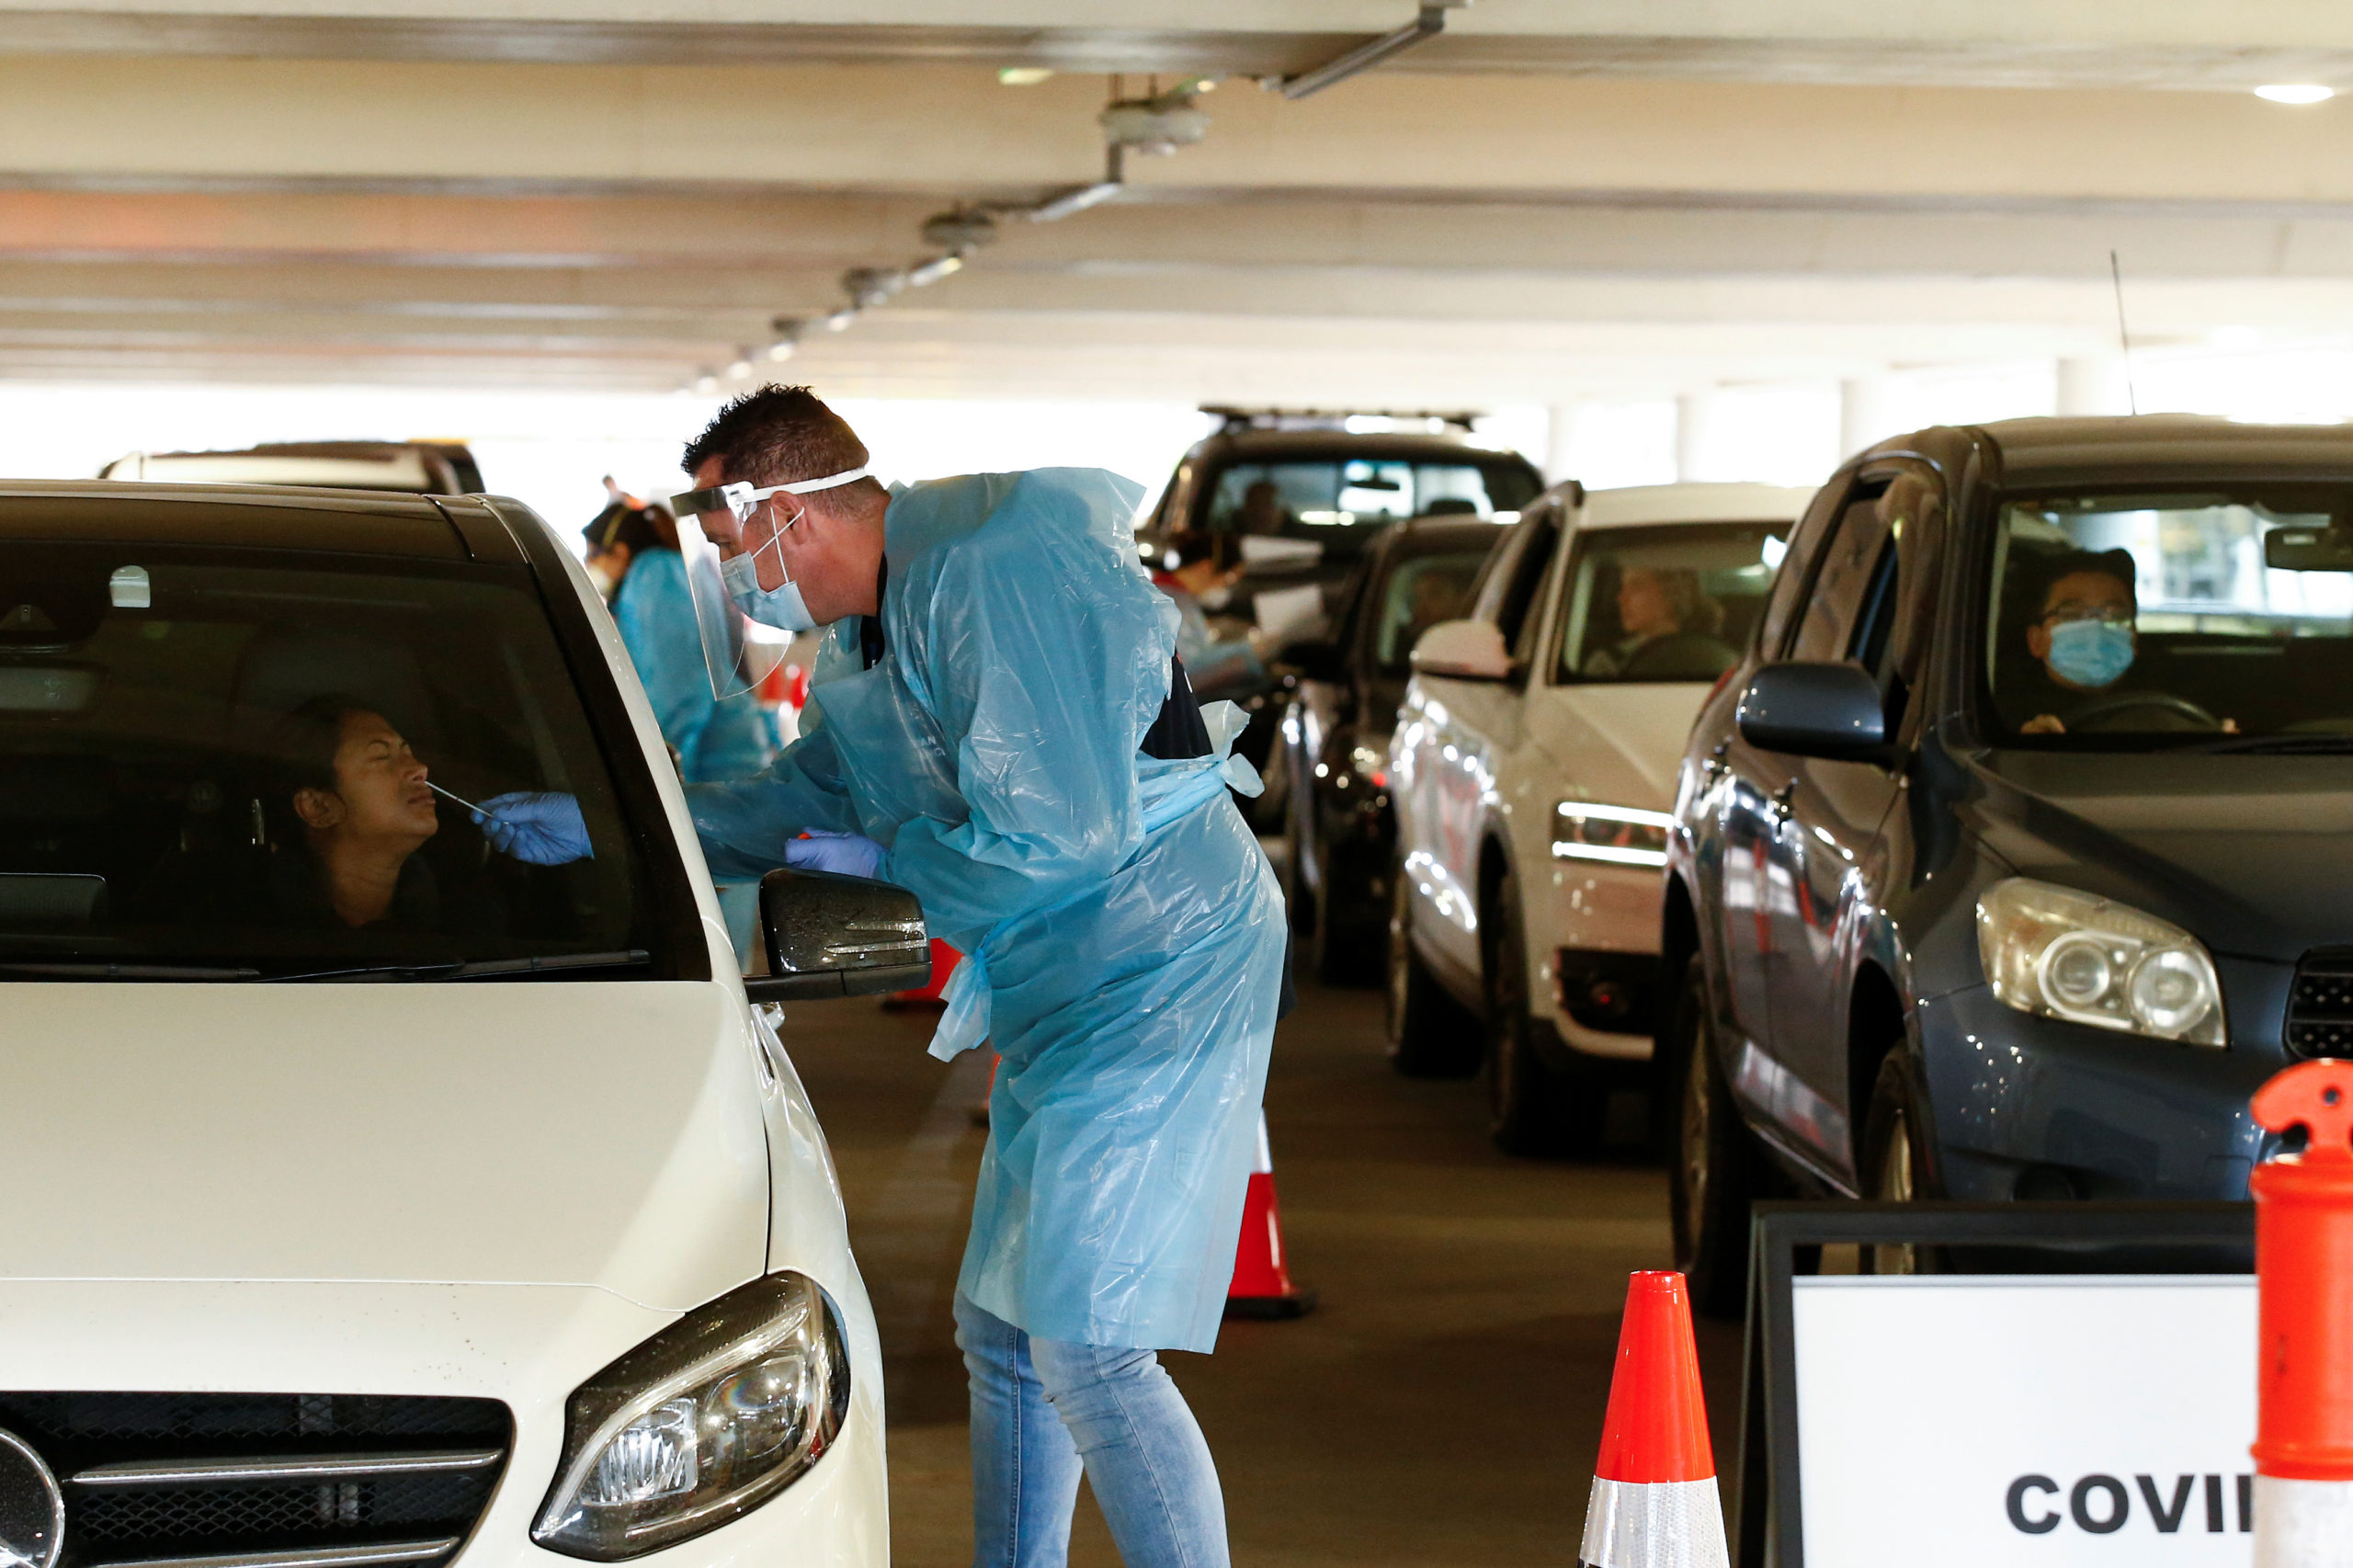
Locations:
(2303, 1264)
(1262, 1286)
(1654, 1502)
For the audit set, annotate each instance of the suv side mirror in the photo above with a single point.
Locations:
(1463, 649)
(1834, 712)
(835, 936)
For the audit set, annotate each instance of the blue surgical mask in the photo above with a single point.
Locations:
(781, 608)
(2090, 653)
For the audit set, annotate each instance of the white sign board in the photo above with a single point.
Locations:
(2058, 1421)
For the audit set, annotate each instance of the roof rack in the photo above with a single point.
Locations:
(1330, 418)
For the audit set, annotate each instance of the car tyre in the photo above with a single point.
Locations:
(1431, 1034)
(1533, 1108)
(1899, 1159)
(1715, 1172)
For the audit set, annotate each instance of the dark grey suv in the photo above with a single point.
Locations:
(2019, 850)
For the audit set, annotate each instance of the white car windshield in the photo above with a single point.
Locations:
(235, 760)
(2220, 616)
(1309, 498)
(1672, 602)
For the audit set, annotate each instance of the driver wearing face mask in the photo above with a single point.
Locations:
(2085, 641)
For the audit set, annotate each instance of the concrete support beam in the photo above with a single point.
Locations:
(1694, 419)
(1863, 415)
(2094, 383)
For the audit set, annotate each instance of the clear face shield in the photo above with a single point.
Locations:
(743, 592)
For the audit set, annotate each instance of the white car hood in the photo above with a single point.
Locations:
(605, 1134)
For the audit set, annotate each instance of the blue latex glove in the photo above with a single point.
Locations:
(850, 854)
(538, 828)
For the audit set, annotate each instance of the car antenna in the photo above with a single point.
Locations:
(2123, 338)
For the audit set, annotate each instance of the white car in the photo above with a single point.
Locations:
(1532, 770)
(493, 1229)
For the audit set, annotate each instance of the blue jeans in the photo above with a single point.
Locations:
(1115, 1413)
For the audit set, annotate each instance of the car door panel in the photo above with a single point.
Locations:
(1831, 815)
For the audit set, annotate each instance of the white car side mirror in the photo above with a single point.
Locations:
(1463, 649)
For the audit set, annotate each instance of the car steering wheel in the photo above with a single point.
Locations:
(2089, 717)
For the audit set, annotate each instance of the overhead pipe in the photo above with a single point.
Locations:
(1422, 27)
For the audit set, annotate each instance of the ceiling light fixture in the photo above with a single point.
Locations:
(932, 271)
(1023, 76)
(2295, 92)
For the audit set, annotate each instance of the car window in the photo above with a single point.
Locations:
(1846, 604)
(1310, 498)
(1510, 595)
(2160, 618)
(1419, 592)
(1790, 563)
(221, 758)
(1674, 602)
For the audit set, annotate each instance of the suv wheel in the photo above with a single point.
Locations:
(1713, 1174)
(1897, 1163)
(1431, 1034)
(1532, 1107)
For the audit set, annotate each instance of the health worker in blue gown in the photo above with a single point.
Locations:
(633, 558)
(999, 722)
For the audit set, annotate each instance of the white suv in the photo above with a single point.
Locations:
(1532, 770)
(484, 1225)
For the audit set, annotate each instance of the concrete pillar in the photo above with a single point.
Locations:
(2094, 383)
(1693, 414)
(1862, 413)
(1559, 429)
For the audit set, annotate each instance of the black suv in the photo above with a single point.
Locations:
(2014, 855)
(1296, 498)
(1340, 831)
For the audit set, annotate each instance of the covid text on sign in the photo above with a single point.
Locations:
(1957, 1420)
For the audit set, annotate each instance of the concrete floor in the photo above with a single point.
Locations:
(1441, 1406)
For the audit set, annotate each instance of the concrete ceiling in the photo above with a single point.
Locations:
(1547, 201)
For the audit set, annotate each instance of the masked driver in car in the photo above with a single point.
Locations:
(2085, 641)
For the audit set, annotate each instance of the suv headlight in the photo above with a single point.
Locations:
(1622, 836)
(2071, 955)
(699, 1424)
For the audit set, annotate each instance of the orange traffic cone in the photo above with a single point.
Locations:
(1654, 1502)
(1262, 1286)
(2303, 1265)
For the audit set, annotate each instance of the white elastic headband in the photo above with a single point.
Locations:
(741, 498)
(808, 486)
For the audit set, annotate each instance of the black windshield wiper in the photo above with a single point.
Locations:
(34, 970)
(2283, 745)
(482, 968)
(491, 969)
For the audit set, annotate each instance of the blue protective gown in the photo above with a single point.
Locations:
(1124, 934)
(728, 738)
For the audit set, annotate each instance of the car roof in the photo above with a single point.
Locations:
(2144, 447)
(1692, 504)
(365, 522)
(1431, 535)
(1415, 446)
(426, 467)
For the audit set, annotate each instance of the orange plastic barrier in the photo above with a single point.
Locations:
(2304, 1260)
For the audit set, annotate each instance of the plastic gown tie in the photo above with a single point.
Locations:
(1175, 790)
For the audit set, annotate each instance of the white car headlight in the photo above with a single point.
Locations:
(1620, 835)
(2070, 955)
(699, 1424)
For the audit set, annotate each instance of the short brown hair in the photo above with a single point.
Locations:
(777, 435)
